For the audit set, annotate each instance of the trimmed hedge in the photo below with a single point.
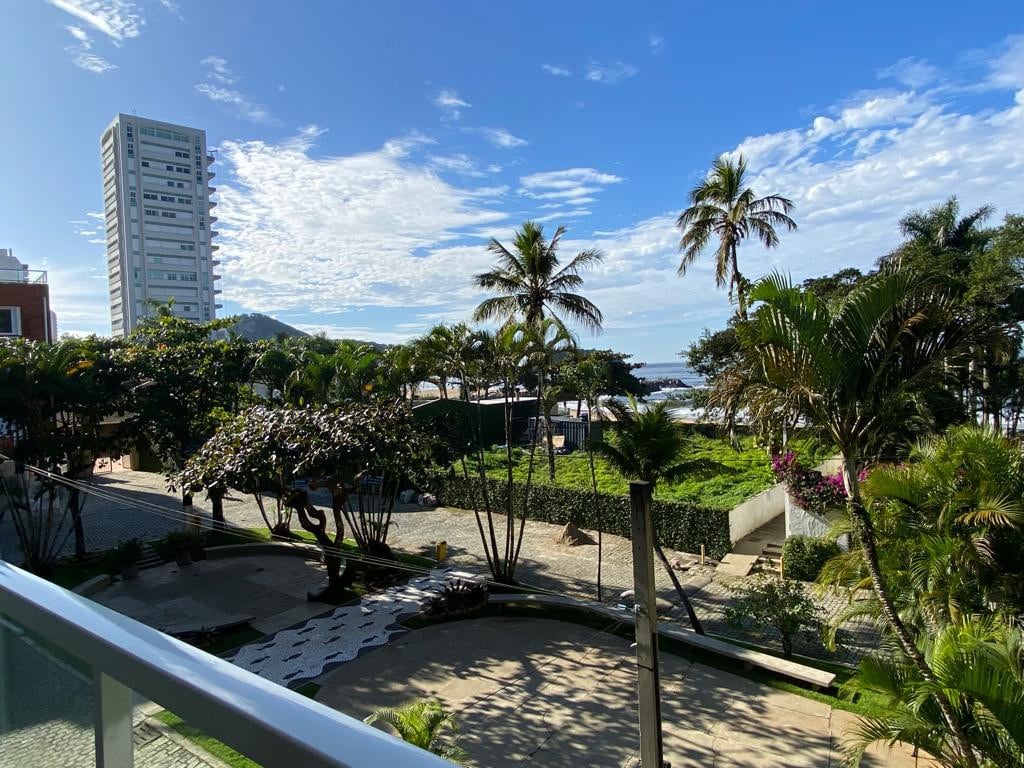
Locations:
(681, 525)
(804, 556)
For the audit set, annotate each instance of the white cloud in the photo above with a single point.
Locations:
(461, 164)
(573, 187)
(90, 62)
(81, 52)
(78, 33)
(610, 74)
(553, 69)
(499, 137)
(218, 69)
(851, 176)
(451, 103)
(117, 19)
(915, 73)
(365, 333)
(218, 77)
(656, 44)
(326, 233)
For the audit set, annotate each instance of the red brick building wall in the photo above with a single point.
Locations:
(34, 301)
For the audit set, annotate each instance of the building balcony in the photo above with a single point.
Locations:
(73, 673)
(218, 306)
(210, 159)
(214, 233)
(213, 204)
(30, 276)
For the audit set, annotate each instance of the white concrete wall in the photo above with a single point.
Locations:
(756, 511)
(767, 505)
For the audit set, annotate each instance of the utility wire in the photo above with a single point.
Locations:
(178, 516)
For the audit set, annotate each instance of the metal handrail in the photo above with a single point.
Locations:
(266, 722)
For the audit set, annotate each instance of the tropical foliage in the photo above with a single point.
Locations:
(427, 725)
(780, 605)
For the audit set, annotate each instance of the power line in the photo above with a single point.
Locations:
(177, 516)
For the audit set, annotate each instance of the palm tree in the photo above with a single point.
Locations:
(723, 206)
(942, 227)
(425, 724)
(649, 446)
(531, 284)
(854, 371)
(979, 661)
(532, 287)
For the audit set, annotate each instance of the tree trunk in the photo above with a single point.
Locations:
(550, 439)
(690, 613)
(906, 640)
(217, 509)
(75, 507)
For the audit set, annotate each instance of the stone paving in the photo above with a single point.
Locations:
(548, 693)
(543, 563)
(50, 720)
(296, 655)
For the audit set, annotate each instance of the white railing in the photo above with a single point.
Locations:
(269, 724)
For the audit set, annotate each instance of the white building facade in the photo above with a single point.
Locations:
(159, 222)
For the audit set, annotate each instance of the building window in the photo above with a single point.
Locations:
(10, 321)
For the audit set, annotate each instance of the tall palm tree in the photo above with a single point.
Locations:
(427, 725)
(531, 283)
(853, 370)
(723, 206)
(533, 286)
(649, 446)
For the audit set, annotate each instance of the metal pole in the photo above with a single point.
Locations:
(648, 685)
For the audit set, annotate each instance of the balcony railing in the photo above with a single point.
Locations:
(33, 276)
(69, 667)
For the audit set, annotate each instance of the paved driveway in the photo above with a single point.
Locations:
(549, 693)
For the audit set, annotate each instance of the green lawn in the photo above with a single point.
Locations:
(746, 472)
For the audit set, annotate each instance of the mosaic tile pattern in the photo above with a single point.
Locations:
(300, 653)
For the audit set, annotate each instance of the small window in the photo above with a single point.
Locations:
(10, 321)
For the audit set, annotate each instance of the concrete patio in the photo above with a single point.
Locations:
(549, 693)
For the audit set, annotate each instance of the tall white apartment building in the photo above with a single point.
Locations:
(156, 202)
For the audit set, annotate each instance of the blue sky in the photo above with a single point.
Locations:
(366, 151)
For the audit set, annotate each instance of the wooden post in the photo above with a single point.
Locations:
(648, 684)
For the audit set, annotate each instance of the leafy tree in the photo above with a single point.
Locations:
(60, 404)
(531, 283)
(781, 604)
(836, 286)
(649, 445)
(182, 381)
(722, 206)
(854, 371)
(427, 725)
(361, 453)
(713, 353)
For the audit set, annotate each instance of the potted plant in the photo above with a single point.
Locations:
(126, 556)
(184, 544)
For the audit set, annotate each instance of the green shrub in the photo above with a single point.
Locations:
(126, 553)
(681, 525)
(777, 604)
(804, 556)
(188, 540)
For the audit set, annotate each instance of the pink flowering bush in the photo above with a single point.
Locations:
(809, 488)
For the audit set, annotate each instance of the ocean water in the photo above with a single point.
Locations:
(678, 370)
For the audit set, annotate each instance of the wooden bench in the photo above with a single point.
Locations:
(814, 677)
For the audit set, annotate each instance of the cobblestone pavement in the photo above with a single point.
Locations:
(49, 723)
(543, 562)
(300, 653)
